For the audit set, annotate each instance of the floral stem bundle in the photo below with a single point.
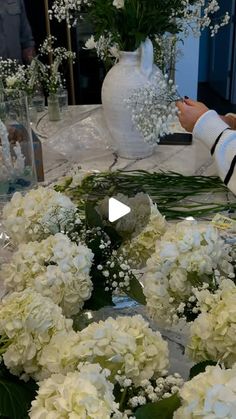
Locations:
(185, 195)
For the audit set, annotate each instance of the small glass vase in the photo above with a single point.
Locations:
(54, 113)
(17, 166)
(63, 99)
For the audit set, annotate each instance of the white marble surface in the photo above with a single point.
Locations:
(82, 138)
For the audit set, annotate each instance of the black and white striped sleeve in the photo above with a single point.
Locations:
(221, 141)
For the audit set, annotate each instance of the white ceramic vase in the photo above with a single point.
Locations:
(132, 71)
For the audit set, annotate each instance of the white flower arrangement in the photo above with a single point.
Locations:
(212, 334)
(153, 108)
(86, 393)
(27, 323)
(186, 257)
(17, 78)
(127, 345)
(209, 395)
(38, 214)
(104, 46)
(186, 16)
(49, 75)
(56, 268)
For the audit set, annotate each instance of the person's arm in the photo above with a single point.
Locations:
(208, 127)
(26, 37)
(221, 141)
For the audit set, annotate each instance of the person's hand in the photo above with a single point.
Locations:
(189, 113)
(230, 120)
(28, 54)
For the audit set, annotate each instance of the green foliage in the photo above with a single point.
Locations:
(15, 395)
(199, 368)
(137, 20)
(163, 409)
(136, 291)
(173, 202)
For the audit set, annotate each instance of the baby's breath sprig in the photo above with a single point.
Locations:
(153, 108)
(149, 391)
(49, 75)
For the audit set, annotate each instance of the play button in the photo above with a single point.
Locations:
(117, 210)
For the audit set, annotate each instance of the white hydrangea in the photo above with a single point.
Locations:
(27, 323)
(38, 214)
(86, 393)
(56, 268)
(125, 344)
(142, 246)
(186, 256)
(209, 395)
(60, 355)
(212, 334)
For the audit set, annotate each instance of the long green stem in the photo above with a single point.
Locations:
(176, 195)
(122, 399)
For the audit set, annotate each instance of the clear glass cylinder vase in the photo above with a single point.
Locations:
(17, 166)
(54, 113)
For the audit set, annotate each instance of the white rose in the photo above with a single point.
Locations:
(119, 4)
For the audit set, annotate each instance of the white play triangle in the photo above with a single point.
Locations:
(117, 210)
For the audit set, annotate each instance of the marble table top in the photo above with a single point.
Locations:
(81, 137)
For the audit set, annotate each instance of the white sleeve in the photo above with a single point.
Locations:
(221, 141)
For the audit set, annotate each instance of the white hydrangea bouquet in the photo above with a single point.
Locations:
(71, 260)
(212, 336)
(188, 257)
(56, 268)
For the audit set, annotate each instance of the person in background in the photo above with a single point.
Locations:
(16, 39)
(216, 132)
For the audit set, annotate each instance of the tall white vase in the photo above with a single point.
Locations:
(132, 71)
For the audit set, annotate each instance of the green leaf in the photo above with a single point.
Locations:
(100, 298)
(136, 291)
(200, 367)
(93, 219)
(15, 399)
(163, 409)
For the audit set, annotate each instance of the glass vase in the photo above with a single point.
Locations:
(54, 113)
(17, 167)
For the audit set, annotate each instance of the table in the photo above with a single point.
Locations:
(82, 138)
